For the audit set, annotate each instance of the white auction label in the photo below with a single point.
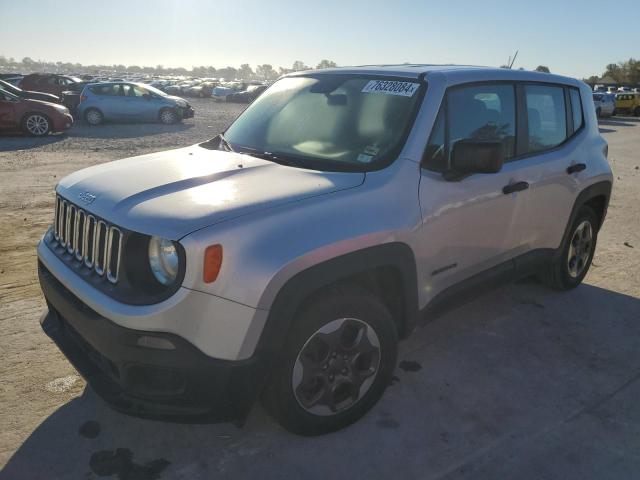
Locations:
(391, 87)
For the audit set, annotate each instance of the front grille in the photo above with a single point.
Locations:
(91, 241)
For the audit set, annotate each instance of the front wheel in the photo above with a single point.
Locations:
(36, 125)
(338, 359)
(168, 116)
(572, 264)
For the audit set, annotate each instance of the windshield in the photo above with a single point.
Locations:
(328, 121)
(7, 95)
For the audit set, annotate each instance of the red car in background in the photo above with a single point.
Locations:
(48, 82)
(33, 117)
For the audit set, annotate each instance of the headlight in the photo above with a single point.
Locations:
(163, 260)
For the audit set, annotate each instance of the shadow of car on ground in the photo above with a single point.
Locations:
(522, 382)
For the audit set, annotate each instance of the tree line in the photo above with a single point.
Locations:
(245, 71)
(621, 72)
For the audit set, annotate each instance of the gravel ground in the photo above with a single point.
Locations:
(520, 383)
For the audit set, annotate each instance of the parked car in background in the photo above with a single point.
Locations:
(628, 103)
(202, 90)
(48, 82)
(130, 101)
(221, 92)
(71, 98)
(27, 94)
(605, 104)
(247, 96)
(33, 117)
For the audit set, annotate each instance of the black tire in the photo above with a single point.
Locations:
(339, 304)
(36, 124)
(636, 112)
(168, 116)
(598, 112)
(614, 113)
(93, 116)
(560, 275)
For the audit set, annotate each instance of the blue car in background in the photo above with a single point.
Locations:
(130, 101)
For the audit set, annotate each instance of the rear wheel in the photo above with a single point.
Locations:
(569, 269)
(168, 116)
(36, 125)
(636, 112)
(93, 116)
(337, 362)
(598, 112)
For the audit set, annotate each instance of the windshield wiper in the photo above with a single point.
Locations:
(217, 142)
(272, 157)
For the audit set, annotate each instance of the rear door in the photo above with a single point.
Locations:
(551, 161)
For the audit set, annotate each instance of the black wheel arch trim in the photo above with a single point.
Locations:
(598, 189)
(288, 299)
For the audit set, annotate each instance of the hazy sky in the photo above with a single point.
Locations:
(572, 37)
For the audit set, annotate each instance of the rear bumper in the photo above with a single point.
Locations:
(181, 383)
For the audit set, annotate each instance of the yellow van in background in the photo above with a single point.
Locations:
(628, 103)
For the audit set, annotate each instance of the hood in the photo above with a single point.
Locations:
(176, 192)
(45, 97)
(41, 103)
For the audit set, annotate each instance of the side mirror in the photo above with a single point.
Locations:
(470, 156)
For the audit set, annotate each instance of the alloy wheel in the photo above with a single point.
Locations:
(336, 366)
(167, 117)
(94, 117)
(37, 125)
(580, 249)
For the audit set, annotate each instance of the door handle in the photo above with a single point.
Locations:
(575, 168)
(515, 187)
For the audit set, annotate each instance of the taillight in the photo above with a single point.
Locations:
(83, 98)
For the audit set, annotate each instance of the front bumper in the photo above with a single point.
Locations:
(177, 384)
(187, 112)
(63, 122)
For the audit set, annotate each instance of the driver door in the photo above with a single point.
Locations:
(469, 224)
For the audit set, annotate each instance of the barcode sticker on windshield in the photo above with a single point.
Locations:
(391, 87)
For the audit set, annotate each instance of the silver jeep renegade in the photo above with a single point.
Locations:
(285, 258)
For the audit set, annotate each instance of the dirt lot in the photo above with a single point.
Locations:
(520, 383)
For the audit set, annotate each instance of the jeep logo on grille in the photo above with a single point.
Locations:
(86, 197)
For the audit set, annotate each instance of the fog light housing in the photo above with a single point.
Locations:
(158, 343)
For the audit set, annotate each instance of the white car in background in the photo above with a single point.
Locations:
(605, 104)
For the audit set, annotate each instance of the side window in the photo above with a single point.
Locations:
(546, 116)
(435, 156)
(576, 109)
(484, 113)
(127, 91)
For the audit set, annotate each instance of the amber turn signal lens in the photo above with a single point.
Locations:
(212, 263)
